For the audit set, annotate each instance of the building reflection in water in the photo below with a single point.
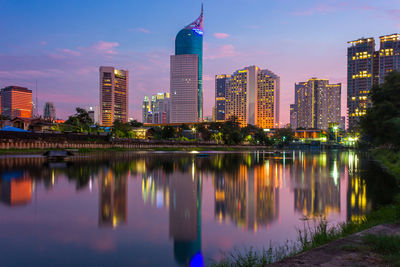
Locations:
(112, 199)
(358, 205)
(16, 188)
(247, 188)
(249, 197)
(316, 184)
(180, 192)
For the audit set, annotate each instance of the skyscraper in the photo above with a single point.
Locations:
(293, 116)
(317, 103)
(389, 55)
(16, 102)
(360, 77)
(146, 110)
(187, 74)
(252, 97)
(114, 89)
(221, 83)
(49, 112)
(367, 67)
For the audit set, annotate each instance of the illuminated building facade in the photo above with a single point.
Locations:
(360, 77)
(252, 97)
(367, 67)
(317, 103)
(389, 55)
(146, 110)
(114, 87)
(16, 102)
(49, 111)
(186, 81)
(156, 109)
(221, 83)
(293, 116)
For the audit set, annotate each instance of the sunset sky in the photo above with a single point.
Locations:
(62, 43)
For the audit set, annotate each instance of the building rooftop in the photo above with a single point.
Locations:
(16, 88)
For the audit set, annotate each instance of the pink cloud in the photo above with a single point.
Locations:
(333, 7)
(223, 51)
(143, 30)
(70, 52)
(105, 47)
(316, 9)
(221, 35)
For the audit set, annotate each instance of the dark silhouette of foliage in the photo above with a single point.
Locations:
(381, 124)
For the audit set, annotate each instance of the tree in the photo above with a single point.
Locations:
(284, 135)
(231, 132)
(135, 123)
(122, 130)
(381, 124)
(80, 121)
(204, 132)
(168, 132)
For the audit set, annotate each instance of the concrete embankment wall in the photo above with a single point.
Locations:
(72, 141)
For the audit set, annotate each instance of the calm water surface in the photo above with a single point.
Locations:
(172, 209)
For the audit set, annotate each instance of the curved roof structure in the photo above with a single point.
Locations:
(197, 25)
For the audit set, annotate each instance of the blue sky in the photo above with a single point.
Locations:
(62, 43)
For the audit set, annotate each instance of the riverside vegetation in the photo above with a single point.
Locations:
(380, 131)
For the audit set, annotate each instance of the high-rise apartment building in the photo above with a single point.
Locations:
(389, 55)
(252, 97)
(114, 88)
(317, 103)
(16, 102)
(186, 74)
(293, 116)
(49, 111)
(367, 67)
(221, 84)
(156, 109)
(360, 77)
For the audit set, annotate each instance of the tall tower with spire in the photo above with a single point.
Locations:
(186, 83)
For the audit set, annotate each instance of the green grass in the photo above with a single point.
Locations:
(389, 160)
(255, 257)
(386, 245)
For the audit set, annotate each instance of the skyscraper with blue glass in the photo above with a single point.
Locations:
(187, 74)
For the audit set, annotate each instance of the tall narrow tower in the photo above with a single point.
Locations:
(114, 87)
(187, 74)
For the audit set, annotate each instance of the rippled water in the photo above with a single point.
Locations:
(172, 209)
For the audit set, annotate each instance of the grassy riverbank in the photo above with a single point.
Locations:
(310, 237)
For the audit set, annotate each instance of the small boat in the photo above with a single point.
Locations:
(57, 155)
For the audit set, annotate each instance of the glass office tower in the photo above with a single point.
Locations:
(188, 52)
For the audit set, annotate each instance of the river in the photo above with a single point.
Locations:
(174, 209)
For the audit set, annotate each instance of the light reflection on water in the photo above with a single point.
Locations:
(170, 208)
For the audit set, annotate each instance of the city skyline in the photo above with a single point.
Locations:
(138, 44)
